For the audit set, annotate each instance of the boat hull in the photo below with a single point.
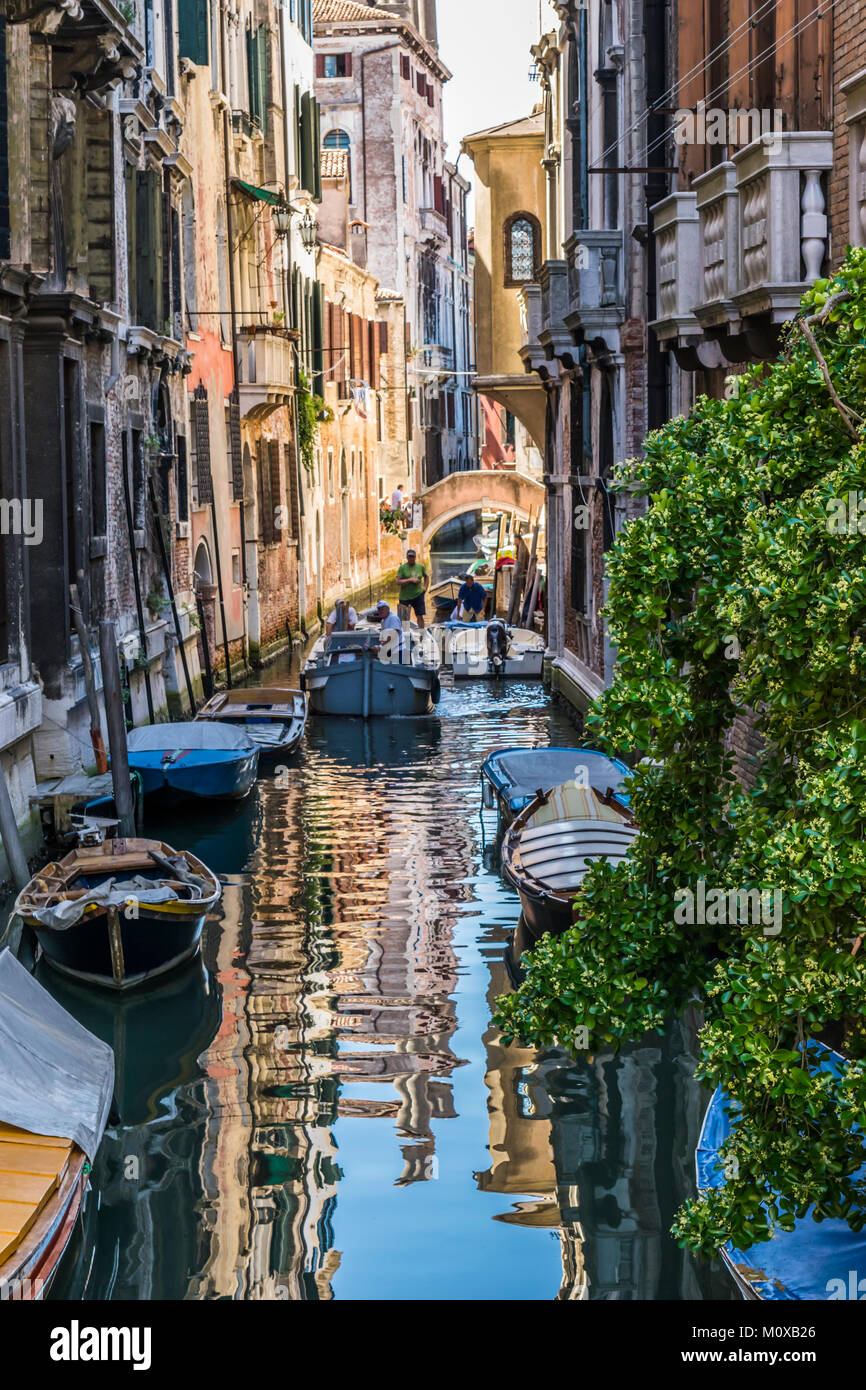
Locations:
(543, 913)
(153, 943)
(29, 1272)
(225, 776)
(370, 689)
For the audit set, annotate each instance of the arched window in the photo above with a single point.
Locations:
(522, 248)
(339, 140)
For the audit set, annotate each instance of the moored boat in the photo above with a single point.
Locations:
(814, 1261)
(56, 1082)
(211, 761)
(346, 674)
(120, 913)
(512, 777)
(273, 717)
(550, 846)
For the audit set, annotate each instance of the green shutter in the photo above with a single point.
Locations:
(192, 25)
(297, 130)
(316, 190)
(306, 142)
(318, 338)
(262, 69)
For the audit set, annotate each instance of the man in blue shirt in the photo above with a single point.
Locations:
(471, 599)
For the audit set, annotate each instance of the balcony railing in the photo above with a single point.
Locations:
(266, 371)
(433, 224)
(735, 255)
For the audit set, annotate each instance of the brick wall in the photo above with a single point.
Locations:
(849, 58)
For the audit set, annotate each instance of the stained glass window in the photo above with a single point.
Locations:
(522, 250)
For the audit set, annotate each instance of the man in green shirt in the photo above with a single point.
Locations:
(413, 582)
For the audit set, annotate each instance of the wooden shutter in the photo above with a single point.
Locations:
(318, 337)
(201, 420)
(449, 404)
(276, 498)
(192, 24)
(316, 189)
(373, 339)
(438, 194)
(348, 61)
(291, 462)
(237, 451)
(365, 349)
(320, 64)
(262, 76)
(383, 336)
(406, 67)
(266, 511)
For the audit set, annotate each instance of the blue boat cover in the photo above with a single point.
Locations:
(55, 1077)
(817, 1260)
(517, 773)
(198, 736)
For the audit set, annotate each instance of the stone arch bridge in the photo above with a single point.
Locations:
(479, 489)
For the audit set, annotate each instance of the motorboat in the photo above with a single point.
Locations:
(120, 913)
(512, 777)
(208, 760)
(550, 846)
(814, 1261)
(56, 1085)
(492, 649)
(370, 674)
(273, 717)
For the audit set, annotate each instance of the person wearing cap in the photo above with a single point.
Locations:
(413, 582)
(388, 621)
(351, 621)
(471, 600)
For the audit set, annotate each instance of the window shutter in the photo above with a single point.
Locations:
(431, 93)
(348, 60)
(192, 25)
(237, 452)
(201, 417)
(320, 64)
(364, 335)
(262, 76)
(266, 514)
(406, 67)
(449, 402)
(276, 498)
(373, 339)
(298, 158)
(383, 336)
(306, 170)
(438, 197)
(316, 189)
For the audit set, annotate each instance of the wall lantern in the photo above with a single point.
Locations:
(281, 217)
(309, 231)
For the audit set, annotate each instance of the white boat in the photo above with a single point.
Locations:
(491, 650)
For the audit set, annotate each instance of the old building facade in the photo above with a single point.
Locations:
(379, 79)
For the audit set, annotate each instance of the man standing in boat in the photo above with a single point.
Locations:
(413, 581)
(471, 599)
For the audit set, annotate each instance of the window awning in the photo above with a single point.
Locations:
(253, 192)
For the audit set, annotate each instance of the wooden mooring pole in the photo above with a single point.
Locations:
(116, 722)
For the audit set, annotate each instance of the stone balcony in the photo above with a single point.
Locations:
(266, 371)
(735, 255)
(434, 225)
(532, 353)
(596, 309)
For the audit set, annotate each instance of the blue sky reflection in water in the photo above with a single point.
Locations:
(322, 1108)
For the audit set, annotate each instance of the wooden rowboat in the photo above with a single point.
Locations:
(550, 846)
(273, 717)
(120, 913)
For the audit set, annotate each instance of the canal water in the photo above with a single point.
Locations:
(320, 1108)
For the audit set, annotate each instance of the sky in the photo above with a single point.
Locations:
(486, 45)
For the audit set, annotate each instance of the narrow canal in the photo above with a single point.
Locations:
(320, 1107)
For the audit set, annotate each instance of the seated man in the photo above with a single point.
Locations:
(389, 622)
(413, 582)
(351, 621)
(471, 600)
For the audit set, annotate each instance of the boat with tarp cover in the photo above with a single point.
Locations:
(512, 777)
(210, 761)
(120, 913)
(816, 1260)
(56, 1084)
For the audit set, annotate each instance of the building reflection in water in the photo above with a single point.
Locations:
(333, 982)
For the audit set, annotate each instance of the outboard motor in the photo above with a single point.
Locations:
(497, 646)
